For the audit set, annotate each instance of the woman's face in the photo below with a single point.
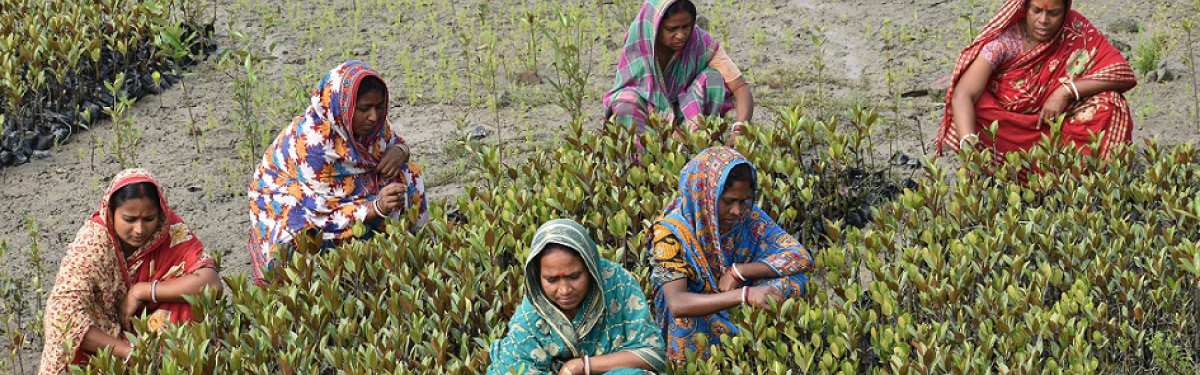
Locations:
(367, 109)
(733, 204)
(674, 32)
(565, 279)
(1043, 18)
(135, 220)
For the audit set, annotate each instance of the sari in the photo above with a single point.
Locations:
(614, 317)
(1020, 87)
(688, 89)
(317, 175)
(94, 277)
(684, 244)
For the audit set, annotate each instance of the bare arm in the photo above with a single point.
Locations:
(1089, 87)
(757, 270)
(966, 92)
(175, 289)
(684, 304)
(743, 99)
(95, 339)
(1062, 96)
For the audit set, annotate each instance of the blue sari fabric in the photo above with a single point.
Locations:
(685, 243)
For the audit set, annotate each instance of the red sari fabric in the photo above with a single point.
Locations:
(1018, 88)
(95, 276)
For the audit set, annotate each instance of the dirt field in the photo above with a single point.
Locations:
(422, 47)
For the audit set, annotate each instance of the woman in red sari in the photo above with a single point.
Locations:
(1034, 61)
(133, 256)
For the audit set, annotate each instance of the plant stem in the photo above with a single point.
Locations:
(1195, 93)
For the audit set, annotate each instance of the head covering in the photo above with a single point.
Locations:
(1021, 86)
(638, 76)
(703, 254)
(317, 175)
(614, 317)
(173, 244)
(567, 233)
(95, 275)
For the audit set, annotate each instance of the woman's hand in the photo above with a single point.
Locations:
(728, 281)
(1055, 105)
(134, 301)
(761, 296)
(572, 367)
(393, 160)
(738, 129)
(391, 197)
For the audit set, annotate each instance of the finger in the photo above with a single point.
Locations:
(383, 164)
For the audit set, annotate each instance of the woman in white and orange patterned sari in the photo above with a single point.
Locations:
(133, 256)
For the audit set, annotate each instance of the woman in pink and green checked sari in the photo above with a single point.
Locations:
(672, 69)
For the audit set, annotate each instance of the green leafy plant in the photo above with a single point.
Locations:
(126, 138)
(571, 43)
(1150, 52)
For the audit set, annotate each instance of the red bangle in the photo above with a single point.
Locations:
(737, 275)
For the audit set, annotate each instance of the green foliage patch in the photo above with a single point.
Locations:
(1090, 267)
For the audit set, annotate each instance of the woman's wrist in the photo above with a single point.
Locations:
(140, 291)
(1065, 91)
(129, 353)
(967, 139)
(377, 208)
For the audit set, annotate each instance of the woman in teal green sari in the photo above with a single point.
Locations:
(581, 315)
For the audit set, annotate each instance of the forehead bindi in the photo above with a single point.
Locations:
(1046, 5)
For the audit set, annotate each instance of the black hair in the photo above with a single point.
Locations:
(680, 6)
(133, 191)
(554, 246)
(740, 173)
(370, 84)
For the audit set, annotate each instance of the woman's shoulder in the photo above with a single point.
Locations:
(91, 237)
(92, 247)
(660, 230)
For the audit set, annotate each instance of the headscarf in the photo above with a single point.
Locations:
(693, 218)
(614, 317)
(638, 76)
(95, 276)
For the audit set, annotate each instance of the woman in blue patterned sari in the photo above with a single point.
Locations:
(581, 315)
(713, 249)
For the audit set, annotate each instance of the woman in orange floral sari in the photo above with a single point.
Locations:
(1035, 61)
(133, 256)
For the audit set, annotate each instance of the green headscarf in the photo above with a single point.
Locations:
(614, 317)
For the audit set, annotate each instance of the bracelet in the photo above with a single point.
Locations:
(375, 204)
(587, 366)
(963, 140)
(130, 355)
(745, 289)
(153, 293)
(738, 127)
(1070, 85)
(737, 274)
